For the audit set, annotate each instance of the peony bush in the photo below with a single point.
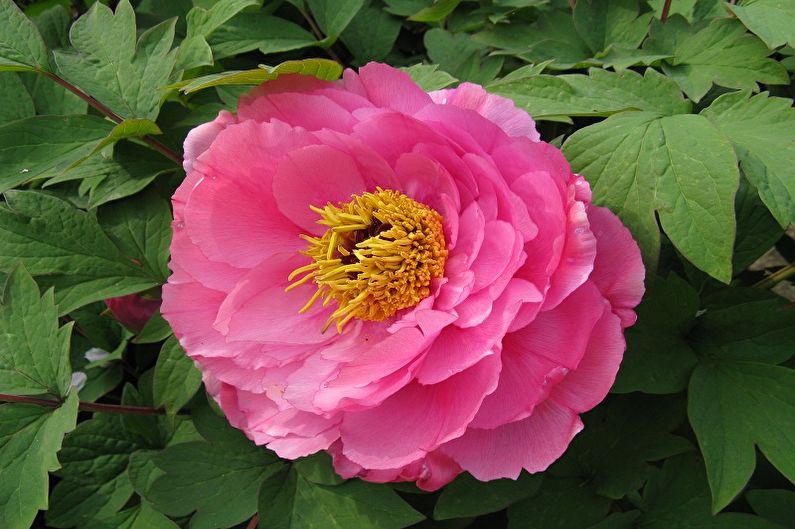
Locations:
(388, 263)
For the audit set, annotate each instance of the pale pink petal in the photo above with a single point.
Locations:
(499, 110)
(199, 139)
(386, 87)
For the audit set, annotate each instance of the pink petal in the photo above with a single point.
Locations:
(417, 419)
(618, 269)
(386, 87)
(499, 110)
(532, 444)
(199, 139)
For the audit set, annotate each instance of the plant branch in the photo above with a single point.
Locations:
(776, 277)
(666, 8)
(319, 35)
(572, 4)
(155, 144)
(83, 406)
(253, 523)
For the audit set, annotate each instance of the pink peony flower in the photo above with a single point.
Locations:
(410, 281)
(133, 310)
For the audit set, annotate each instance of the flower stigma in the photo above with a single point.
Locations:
(378, 255)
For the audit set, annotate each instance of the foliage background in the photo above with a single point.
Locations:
(685, 128)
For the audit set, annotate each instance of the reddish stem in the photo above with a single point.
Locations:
(156, 145)
(666, 8)
(319, 35)
(253, 523)
(572, 4)
(84, 406)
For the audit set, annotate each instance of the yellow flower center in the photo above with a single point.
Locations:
(379, 254)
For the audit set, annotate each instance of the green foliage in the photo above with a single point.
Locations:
(682, 123)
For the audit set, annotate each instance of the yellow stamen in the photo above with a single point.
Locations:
(379, 254)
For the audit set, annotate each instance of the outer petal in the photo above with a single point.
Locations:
(497, 109)
(199, 139)
(133, 310)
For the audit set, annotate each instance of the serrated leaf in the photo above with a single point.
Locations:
(140, 517)
(371, 34)
(762, 129)
(467, 497)
(31, 146)
(735, 406)
(288, 500)
(600, 93)
(658, 358)
(429, 77)
(140, 226)
(30, 437)
(258, 31)
(461, 56)
(561, 503)
(719, 52)
(436, 12)
(34, 349)
(320, 68)
(677, 497)
(67, 249)
(109, 64)
(94, 481)
(772, 20)
(334, 17)
(219, 481)
(176, 378)
(679, 166)
(21, 45)
(610, 22)
(621, 437)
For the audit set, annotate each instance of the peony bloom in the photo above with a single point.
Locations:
(410, 281)
(133, 310)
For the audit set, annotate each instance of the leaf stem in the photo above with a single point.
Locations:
(83, 406)
(155, 144)
(666, 8)
(253, 523)
(776, 277)
(319, 34)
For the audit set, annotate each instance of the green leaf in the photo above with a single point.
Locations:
(720, 52)
(140, 226)
(108, 63)
(610, 22)
(777, 505)
(217, 480)
(562, 504)
(94, 482)
(677, 497)
(554, 37)
(176, 378)
(320, 68)
(429, 77)
(131, 168)
(155, 330)
(289, 500)
(680, 166)
(21, 45)
(600, 93)
(621, 437)
(129, 128)
(772, 20)
(658, 358)
(371, 34)
(757, 230)
(12, 89)
(318, 468)
(31, 146)
(334, 17)
(762, 129)
(440, 10)
(467, 497)
(461, 56)
(67, 248)
(34, 349)
(140, 517)
(30, 436)
(734, 406)
(258, 31)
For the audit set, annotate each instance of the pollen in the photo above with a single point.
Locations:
(378, 255)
